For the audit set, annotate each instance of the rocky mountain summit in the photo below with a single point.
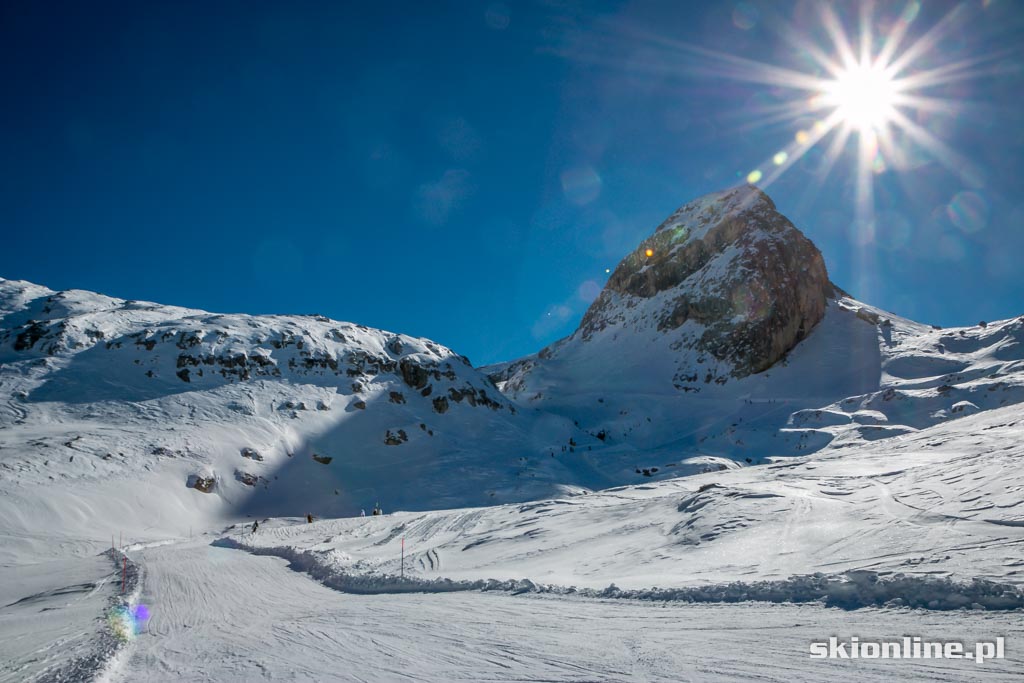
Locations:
(726, 277)
(731, 263)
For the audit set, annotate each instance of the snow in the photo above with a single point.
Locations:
(697, 217)
(876, 468)
(921, 507)
(67, 626)
(226, 615)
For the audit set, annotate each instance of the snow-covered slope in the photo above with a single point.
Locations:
(163, 418)
(840, 452)
(156, 417)
(671, 368)
(945, 503)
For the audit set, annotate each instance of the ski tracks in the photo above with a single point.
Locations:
(223, 615)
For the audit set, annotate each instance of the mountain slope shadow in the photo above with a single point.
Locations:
(408, 456)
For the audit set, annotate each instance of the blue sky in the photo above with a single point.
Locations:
(468, 171)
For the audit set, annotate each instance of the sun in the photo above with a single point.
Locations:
(864, 97)
(859, 85)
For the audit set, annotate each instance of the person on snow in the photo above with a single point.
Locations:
(362, 513)
(376, 510)
(255, 525)
(309, 518)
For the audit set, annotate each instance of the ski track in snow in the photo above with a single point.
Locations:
(225, 615)
(66, 633)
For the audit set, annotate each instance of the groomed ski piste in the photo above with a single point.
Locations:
(666, 581)
(591, 522)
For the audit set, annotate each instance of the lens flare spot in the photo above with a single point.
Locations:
(680, 232)
(497, 16)
(802, 137)
(745, 16)
(127, 622)
(649, 253)
(581, 184)
(780, 158)
(141, 614)
(588, 291)
(749, 302)
(754, 176)
(968, 211)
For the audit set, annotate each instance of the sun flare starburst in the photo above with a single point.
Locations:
(863, 96)
(866, 88)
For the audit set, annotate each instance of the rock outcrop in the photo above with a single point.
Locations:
(723, 289)
(731, 263)
(112, 349)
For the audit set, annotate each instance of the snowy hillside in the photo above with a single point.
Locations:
(161, 418)
(838, 453)
(659, 369)
(167, 418)
(921, 506)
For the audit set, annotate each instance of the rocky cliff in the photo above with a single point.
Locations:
(726, 281)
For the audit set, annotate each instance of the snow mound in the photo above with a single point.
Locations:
(851, 590)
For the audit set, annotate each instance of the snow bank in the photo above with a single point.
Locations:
(319, 566)
(850, 590)
(101, 660)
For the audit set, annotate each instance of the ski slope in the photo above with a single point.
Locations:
(868, 483)
(945, 502)
(718, 576)
(226, 615)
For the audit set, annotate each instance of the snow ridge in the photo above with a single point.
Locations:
(849, 590)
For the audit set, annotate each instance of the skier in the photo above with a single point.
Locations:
(362, 513)
(309, 518)
(255, 525)
(376, 510)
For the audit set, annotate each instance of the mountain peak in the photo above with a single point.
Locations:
(744, 198)
(696, 234)
(727, 274)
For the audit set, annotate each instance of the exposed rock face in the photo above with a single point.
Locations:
(251, 453)
(723, 289)
(201, 483)
(415, 375)
(112, 349)
(247, 478)
(731, 263)
(396, 439)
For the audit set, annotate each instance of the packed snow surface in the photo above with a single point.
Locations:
(922, 506)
